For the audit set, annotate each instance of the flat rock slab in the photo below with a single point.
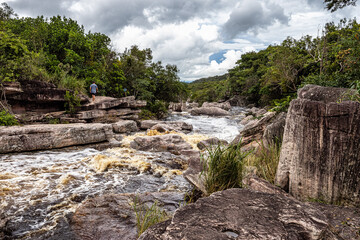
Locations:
(210, 111)
(50, 136)
(113, 216)
(245, 214)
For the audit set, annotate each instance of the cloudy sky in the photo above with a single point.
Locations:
(202, 37)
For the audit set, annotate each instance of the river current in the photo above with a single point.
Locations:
(38, 189)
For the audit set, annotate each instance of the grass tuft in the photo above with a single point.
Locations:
(147, 216)
(265, 160)
(223, 167)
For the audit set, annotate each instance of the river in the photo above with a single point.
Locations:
(38, 189)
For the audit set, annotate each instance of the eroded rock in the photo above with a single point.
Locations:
(210, 111)
(320, 156)
(254, 215)
(170, 142)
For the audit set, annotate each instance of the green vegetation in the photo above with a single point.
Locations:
(147, 216)
(265, 160)
(58, 50)
(223, 167)
(7, 119)
(209, 89)
(72, 102)
(272, 76)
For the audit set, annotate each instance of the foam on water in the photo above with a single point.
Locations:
(38, 189)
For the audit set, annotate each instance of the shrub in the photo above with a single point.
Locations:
(72, 102)
(148, 216)
(223, 167)
(7, 119)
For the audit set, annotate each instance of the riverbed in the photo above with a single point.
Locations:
(38, 189)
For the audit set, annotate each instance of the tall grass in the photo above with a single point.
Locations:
(223, 167)
(147, 216)
(265, 160)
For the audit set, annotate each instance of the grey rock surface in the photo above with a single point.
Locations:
(320, 154)
(210, 111)
(125, 126)
(162, 143)
(113, 216)
(224, 105)
(245, 214)
(46, 136)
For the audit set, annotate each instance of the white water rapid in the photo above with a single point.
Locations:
(38, 189)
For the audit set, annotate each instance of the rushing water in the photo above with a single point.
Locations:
(38, 189)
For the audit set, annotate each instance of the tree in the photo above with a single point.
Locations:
(333, 5)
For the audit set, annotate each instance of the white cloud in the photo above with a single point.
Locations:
(187, 33)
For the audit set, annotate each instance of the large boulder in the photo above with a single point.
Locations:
(161, 143)
(177, 107)
(224, 105)
(42, 137)
(245, 214)
(210, 142)
(125, 126)
(320, 154)
(210, 111)
(113, 216)
(254, 130)
(163, 126)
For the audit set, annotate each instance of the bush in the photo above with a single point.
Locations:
(72, 102)
(223, 167)
(7, 119)
(148, 216)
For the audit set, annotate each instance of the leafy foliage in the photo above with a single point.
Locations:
(334, 5)
(72, 102)
(58, 50)
(7, 119)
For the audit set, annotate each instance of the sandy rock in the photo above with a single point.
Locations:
(125, 126)
(42, 137)
(210, 142)
(166, 143)
(210, 111)
(224, 105)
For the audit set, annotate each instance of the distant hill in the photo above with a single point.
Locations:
(208, 89)
(210, 79)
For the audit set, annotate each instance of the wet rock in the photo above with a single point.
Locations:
(320, 154)
(170, 142)
(163, 126)
(125, 126)
(253, 215)
(210, 111)
(113, 216)
(41, 137)
(211, 142)
(224, 105)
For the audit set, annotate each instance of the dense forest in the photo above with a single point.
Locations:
(58, 50)
(273, 75)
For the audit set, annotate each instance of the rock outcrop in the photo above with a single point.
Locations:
(46, 136)
(254, 215)
(223, 105)
(163, 143)
(320, 154)
(163, 126)
(211, 142)
(125, 126)
(113, 216)
(210, 111)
